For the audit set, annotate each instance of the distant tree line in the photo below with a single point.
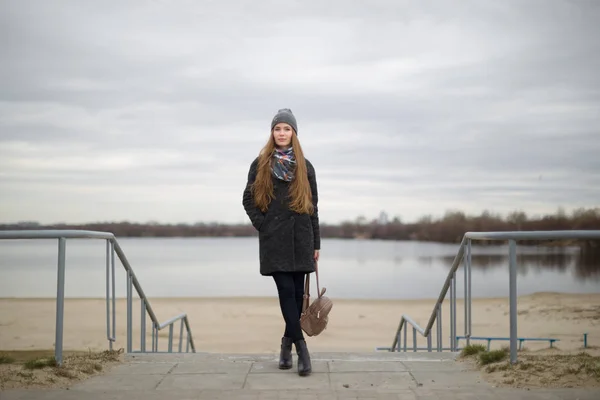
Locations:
(449, 228)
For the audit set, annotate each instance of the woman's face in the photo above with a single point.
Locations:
(282, 133)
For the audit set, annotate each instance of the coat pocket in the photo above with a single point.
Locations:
(276, 243)
(304, 242)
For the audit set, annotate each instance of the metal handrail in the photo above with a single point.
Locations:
(450, 284)
(415, 328)
(55, 234)
(437, 307)
(112, 247)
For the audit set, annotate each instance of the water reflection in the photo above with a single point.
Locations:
(588, 264)
(584, 262)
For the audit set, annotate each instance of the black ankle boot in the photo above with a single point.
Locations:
(304, 367)
(285, 355)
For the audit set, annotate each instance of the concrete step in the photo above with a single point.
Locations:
(317, 356)
(256, 376)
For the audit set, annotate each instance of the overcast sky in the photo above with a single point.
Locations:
(154, 110)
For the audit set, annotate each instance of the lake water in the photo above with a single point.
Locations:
(223, 267)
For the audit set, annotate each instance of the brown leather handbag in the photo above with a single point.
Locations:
(315, 316)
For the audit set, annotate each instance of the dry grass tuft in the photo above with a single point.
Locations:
(540, 370)
(28, 370)
(4, 359)
(472, 349)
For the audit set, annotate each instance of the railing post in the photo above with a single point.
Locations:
(414, 339)
(157, 337)
(469, 265)
(429, 342)
(181, 335)
(467, 271)
(153, 339)
(171, 337)
(405, 337)
(453, 313)
(129, 311)
(156, 340)
(143, 326)
(513, 299)
(466, 286)
(114, 297)
(440, 327)
(108, 337)
(60, 301)
(437, 328)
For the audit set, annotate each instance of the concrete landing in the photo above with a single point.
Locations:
(335, 376)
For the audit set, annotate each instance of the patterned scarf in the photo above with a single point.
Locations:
(284, 164)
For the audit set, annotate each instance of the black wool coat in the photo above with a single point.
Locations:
(287, 240)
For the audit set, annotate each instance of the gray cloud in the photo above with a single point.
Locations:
(154, 110)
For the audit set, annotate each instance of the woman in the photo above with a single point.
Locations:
(281, 201)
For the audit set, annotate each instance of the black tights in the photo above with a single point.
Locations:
(290, 287)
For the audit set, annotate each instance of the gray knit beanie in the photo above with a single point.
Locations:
(285, 115)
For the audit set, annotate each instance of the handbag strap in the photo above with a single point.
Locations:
(307, 282)
(306, 301)
(306, 296)
(317, 273)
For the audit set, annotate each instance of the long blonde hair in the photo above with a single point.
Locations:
(300, 193)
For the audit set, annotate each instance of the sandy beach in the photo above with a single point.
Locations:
(254, 325)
